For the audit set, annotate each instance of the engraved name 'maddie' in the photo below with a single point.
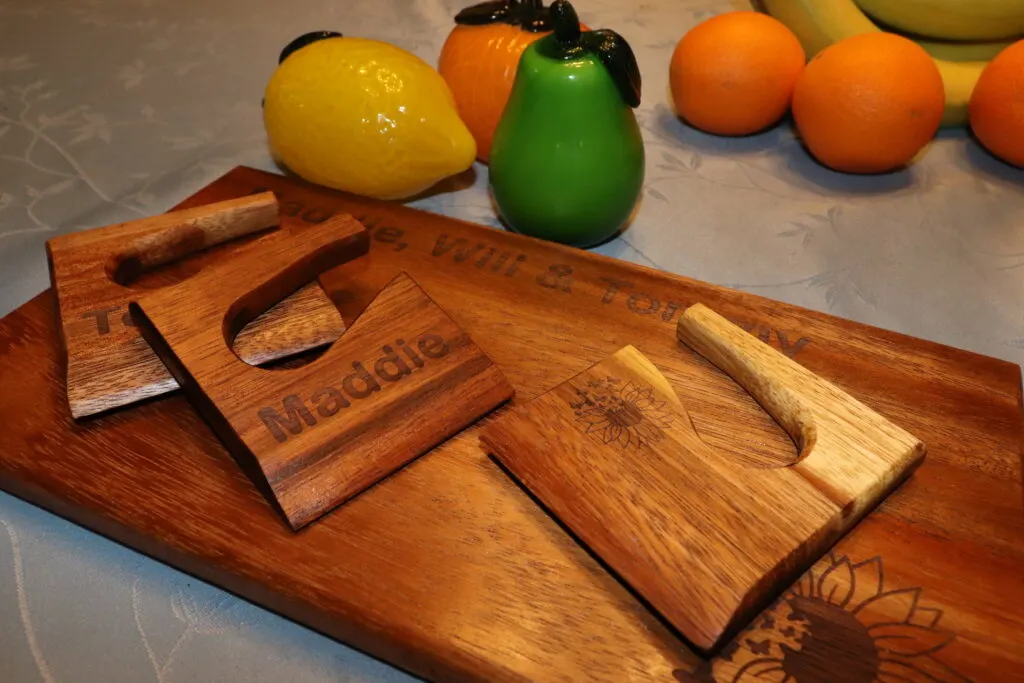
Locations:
(397, 362)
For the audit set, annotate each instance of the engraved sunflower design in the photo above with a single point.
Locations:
(621, 412)
(838, 618)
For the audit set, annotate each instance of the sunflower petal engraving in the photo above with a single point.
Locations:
(838, 607)
(926, 668)
(622, 413)
(925, 616)
(891, 607)
(868, 580)
(612, 433)
(909, 640)
(836, 585)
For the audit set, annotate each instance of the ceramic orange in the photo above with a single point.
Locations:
(734, 74)
(869, 103)
(480, 57)
(997, 105)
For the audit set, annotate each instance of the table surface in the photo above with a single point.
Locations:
(115, 109)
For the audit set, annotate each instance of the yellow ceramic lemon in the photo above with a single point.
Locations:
(366, 117)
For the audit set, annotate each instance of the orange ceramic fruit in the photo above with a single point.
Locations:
(480, 56)
(869, 103)
(734, 74)
(997, 105)
(479, 65)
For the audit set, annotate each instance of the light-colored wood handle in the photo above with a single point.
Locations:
(191, 230)
(841, 440)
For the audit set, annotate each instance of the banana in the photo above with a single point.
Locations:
(963, 52)
(820, 23)
(951, 19)
(959, 79)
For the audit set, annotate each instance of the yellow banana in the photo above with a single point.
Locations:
(958, 79)
(820, 23)
(963, 52)
(951, 19)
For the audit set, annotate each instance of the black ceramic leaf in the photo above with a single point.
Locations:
(530, 15)
(617, 56)
(569, 42)
(304, 40)
(485, 13)
(535, 17)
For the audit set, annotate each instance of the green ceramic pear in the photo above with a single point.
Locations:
(567, 161)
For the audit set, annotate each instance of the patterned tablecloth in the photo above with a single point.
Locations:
(115, 109)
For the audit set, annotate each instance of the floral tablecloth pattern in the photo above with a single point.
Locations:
(115, 109)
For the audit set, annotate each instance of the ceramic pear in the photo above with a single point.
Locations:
(567, 161)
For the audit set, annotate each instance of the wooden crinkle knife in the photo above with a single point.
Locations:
(706, 541)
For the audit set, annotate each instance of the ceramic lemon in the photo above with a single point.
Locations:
(567, 161)
(363, 116)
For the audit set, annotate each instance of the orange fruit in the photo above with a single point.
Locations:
(734, 73)
(869, 103)
(996, 110)
(479, 64)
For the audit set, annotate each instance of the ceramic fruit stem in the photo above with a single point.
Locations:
(566, 25)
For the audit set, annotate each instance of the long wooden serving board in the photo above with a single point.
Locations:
(449, 570)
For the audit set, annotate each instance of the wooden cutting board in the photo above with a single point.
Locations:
(448, 569)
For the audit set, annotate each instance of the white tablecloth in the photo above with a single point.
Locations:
(115, 109)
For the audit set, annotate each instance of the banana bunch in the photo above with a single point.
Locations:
(951, 19)
(820, 23)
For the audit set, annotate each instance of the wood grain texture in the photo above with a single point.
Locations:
(614, 455)
(95, 272)
(448, 569)
(402, 379)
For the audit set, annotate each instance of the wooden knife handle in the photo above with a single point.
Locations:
(836, 434)
(770, 377)
(191, 230)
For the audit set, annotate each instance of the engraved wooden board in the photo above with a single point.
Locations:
(448, 569)
(614, 455)
(402, 379)
(96, 272)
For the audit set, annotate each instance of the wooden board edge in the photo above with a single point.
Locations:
(388, 647)
(1020, 440)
